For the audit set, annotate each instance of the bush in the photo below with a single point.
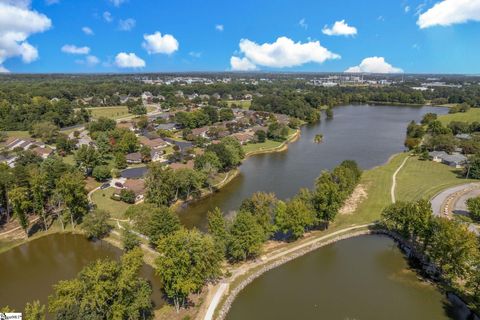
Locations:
(96, 224)
(130, 240)
(473, 205)
(127, 196)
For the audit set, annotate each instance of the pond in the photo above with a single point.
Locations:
(29, 271)
(360, 278)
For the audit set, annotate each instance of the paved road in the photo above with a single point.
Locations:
(439, 200)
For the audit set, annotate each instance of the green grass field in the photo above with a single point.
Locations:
(423, 179)
(244, 104)
(470, 116)
(113, 112)
(18, 134)
(254, 147)
(102, 199)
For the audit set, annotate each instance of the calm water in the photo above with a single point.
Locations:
(359, 278)
(367, 134)
(28, 272)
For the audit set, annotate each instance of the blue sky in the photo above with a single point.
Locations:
(425, 36)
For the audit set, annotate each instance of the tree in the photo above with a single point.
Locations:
(101, 173)
(217, 227)
(188, 260)
(473, 167)
(246, 237)
(34, 311)
(226, 114)
(164, 221)
(128, 142)
(140, 216)
(260, 136)
(160, 185)
(262, 206)
(46, 131)
(39, 192)
(293, 217)
(6, 181)
(130, 240)
(474, 208)
(87, 158)
(21, 205)
(146, 151)
(127, 196)
(96, 224)
(72, 195)
(428, 117)
(120, 160)
(104, 290)
(327, 198)
(64, 144)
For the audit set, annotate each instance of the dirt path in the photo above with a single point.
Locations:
(221, 288)
(394, 179)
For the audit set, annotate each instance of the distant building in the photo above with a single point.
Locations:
(137, 186)
(133, 158)
(455, 160)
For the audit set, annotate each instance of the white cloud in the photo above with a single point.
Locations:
(50, 2)
(127, 24)
(88, 31)
(450, 12)
(129, 60)
(303, 23)
(281, 53)
(340, 28)
(407, 9)
(17, 23)
(195, 54)
(73, 49)
(242, 64)
(219, 27)
(374, 65)
(156, 43)
(90, 61)
(118, 3)
(107, 16)
(3, 69)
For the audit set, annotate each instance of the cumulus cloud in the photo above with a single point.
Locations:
(107, 16)
(127, 24)
(90, 61)
(156, 43)
(242, 64)
(129, 60)
(73, 49)
(17, 23)
(450, 12)
(219, 27)
(282, 53)
(407, 9)
(117, 3)
(339, 28)
(195, 54)
(374, 65)
(88, 31)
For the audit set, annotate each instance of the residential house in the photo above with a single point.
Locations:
(157, 156)
(147, 97)
(9, 160)
(137, 186)
(130, 125)
(243, 137)
(202, 132)
(154, 144)
(463, 136)
(133, 158)
(166, 126)
(455, 160)
(43, 152)
(24, 144)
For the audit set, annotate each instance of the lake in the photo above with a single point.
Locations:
(367, 134)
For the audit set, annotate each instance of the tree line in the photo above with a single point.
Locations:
(446, 244)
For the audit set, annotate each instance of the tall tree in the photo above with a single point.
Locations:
(21, 205)
(34, 311)
(71, 191)
(246, 237)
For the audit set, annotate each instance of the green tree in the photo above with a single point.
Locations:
(473, 205)
(101, 173)
(73, 196)
(46, 131)
(120, 160)
(21, 205)
(217, 227)
(104, 290)
(34, 311)
(188, 260)
(327, 198)
(96, 224)
(293, 217)
(260, 136)
(246, 238)
(262, 206)
(87, 158)
(130, 240)
(164, 221)
(39, 193)
(160, 185)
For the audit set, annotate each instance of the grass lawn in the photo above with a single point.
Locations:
(470, 116)
(113, 112)
(18, 134)
(244, 104)
(423, 179)
(253, 147)
(102, 199)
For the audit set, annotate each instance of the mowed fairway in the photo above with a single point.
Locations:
(423, 179)
(470, 116)
(113, 112)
